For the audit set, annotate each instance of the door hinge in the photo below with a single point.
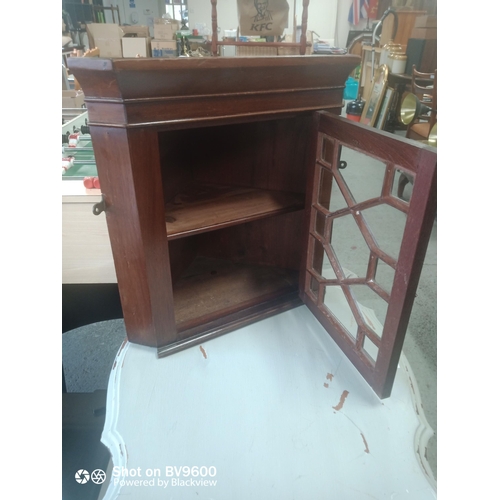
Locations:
(100, 207)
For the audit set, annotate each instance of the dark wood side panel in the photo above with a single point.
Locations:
(310, 163)
(129, 172)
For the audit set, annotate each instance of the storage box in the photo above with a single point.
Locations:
(163, 48)
(133, 47)
(107, 37)
(138, 31)
(165, 31)
(109, 47)
(72, 99)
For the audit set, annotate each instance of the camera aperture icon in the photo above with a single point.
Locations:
(98, 476)
(82, 476)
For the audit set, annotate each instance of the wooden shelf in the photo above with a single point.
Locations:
(207, 208)
(215, 288)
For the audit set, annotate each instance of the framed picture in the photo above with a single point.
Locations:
(379, 84)
(384, 108)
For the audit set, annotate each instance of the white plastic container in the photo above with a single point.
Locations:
(398, 63)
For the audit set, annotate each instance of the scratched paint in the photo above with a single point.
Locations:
(124, 343)
(367, 450)
(342, 401)
(203, 352)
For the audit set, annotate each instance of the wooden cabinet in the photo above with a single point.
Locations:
(213, 175)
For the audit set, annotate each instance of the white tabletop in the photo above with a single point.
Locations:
(273, 410)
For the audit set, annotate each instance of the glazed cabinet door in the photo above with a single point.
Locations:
(372, 204)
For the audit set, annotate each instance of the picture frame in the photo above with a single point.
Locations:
(384, 108)
(372, 106)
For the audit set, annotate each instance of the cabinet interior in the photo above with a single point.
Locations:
(234, 211)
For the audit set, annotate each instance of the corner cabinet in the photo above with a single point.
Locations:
(233, 192)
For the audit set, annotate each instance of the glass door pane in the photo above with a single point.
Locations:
(372, 211)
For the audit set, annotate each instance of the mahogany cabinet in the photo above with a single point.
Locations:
(232, 192)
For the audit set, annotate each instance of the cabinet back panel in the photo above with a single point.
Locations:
(266, 155)
(177, 160)
(182, 253)
(273, 241)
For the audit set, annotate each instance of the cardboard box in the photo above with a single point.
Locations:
(133, 47)
(109, 47)
(72, 99)
(163, 48)
(138, 31)
(107, 37)
(165, 31)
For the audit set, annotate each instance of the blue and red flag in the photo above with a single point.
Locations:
(359, 10)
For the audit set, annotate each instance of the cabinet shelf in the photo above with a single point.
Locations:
(213, 290)
(205, 208)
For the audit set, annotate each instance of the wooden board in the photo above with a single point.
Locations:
(205, 208)
(215, 287)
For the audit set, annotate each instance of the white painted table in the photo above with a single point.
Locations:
(277, 411)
